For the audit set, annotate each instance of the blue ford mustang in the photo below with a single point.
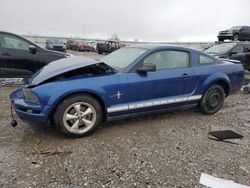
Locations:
(79, 93)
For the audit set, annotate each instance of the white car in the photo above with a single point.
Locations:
(93, 44)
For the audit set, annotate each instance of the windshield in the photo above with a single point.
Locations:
(220, 49)
(55, 41)
(235, 28)
(123, 57)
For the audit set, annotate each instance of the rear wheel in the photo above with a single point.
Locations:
(212, 100)
(78, 115)
(100, 52)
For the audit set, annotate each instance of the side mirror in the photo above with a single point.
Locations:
(32, 49)
(146, 68)
(232, 53)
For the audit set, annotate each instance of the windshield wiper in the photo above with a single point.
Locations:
(213, 53)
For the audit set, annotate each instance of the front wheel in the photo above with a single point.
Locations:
(78, 115)
(212, 100)
(220, 39)
(236, 37)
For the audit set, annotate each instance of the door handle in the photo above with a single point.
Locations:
(185, 74)
(6, 54)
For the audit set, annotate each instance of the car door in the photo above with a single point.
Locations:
(248, 33)
(170, 84)
(237, 53)
(245, 33)
(3, 61)
(18, 61)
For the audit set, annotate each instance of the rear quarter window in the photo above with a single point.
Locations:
(205, 60)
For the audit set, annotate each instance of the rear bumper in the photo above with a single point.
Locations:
(225, 36)
(34, 114)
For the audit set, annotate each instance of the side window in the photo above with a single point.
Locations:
(237, 49)
(168, 59)
(203, 60)
(12, 42)
(248, 46)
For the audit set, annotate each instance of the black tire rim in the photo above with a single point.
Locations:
(214, 99)
(236, 37)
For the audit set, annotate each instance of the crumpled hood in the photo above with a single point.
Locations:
(58, 67)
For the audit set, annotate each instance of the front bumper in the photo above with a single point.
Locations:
(56, 49)
(32, 113)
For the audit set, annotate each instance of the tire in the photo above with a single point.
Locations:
(70, 119)
(100, 52)
(236, 37)
(220, 39)
(212, 100)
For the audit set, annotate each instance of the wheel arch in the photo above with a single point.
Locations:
(92, 94)
(221, 80)
(224, 85)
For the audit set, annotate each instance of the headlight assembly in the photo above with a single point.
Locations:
(30, 96)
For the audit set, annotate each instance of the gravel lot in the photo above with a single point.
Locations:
(159, 150)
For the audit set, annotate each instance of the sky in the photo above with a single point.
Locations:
(144, 20)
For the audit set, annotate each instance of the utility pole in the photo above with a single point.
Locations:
(83, 31)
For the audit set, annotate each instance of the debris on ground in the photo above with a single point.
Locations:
(48, 152)
(225, 134)
(214, 182)
(246, 89)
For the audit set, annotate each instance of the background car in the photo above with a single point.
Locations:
(78, 46)
(21, 58)
(93, 44)
(56, 45)
(137, 79)
(241, 33)
(69, 44)
(233, 50)
(107, 47)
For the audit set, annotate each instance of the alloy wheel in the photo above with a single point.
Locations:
(79, 117)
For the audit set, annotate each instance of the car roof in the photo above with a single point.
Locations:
(236, 42)
(160, 46)
(5, 32)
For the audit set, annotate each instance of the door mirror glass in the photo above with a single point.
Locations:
(149, 67)
(32, 49)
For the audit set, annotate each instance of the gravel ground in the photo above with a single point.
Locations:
(158, 150)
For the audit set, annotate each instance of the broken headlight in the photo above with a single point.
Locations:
(30, 96)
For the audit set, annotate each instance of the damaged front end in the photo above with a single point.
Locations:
(26, 105)
(68, 68)
(32, 103)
